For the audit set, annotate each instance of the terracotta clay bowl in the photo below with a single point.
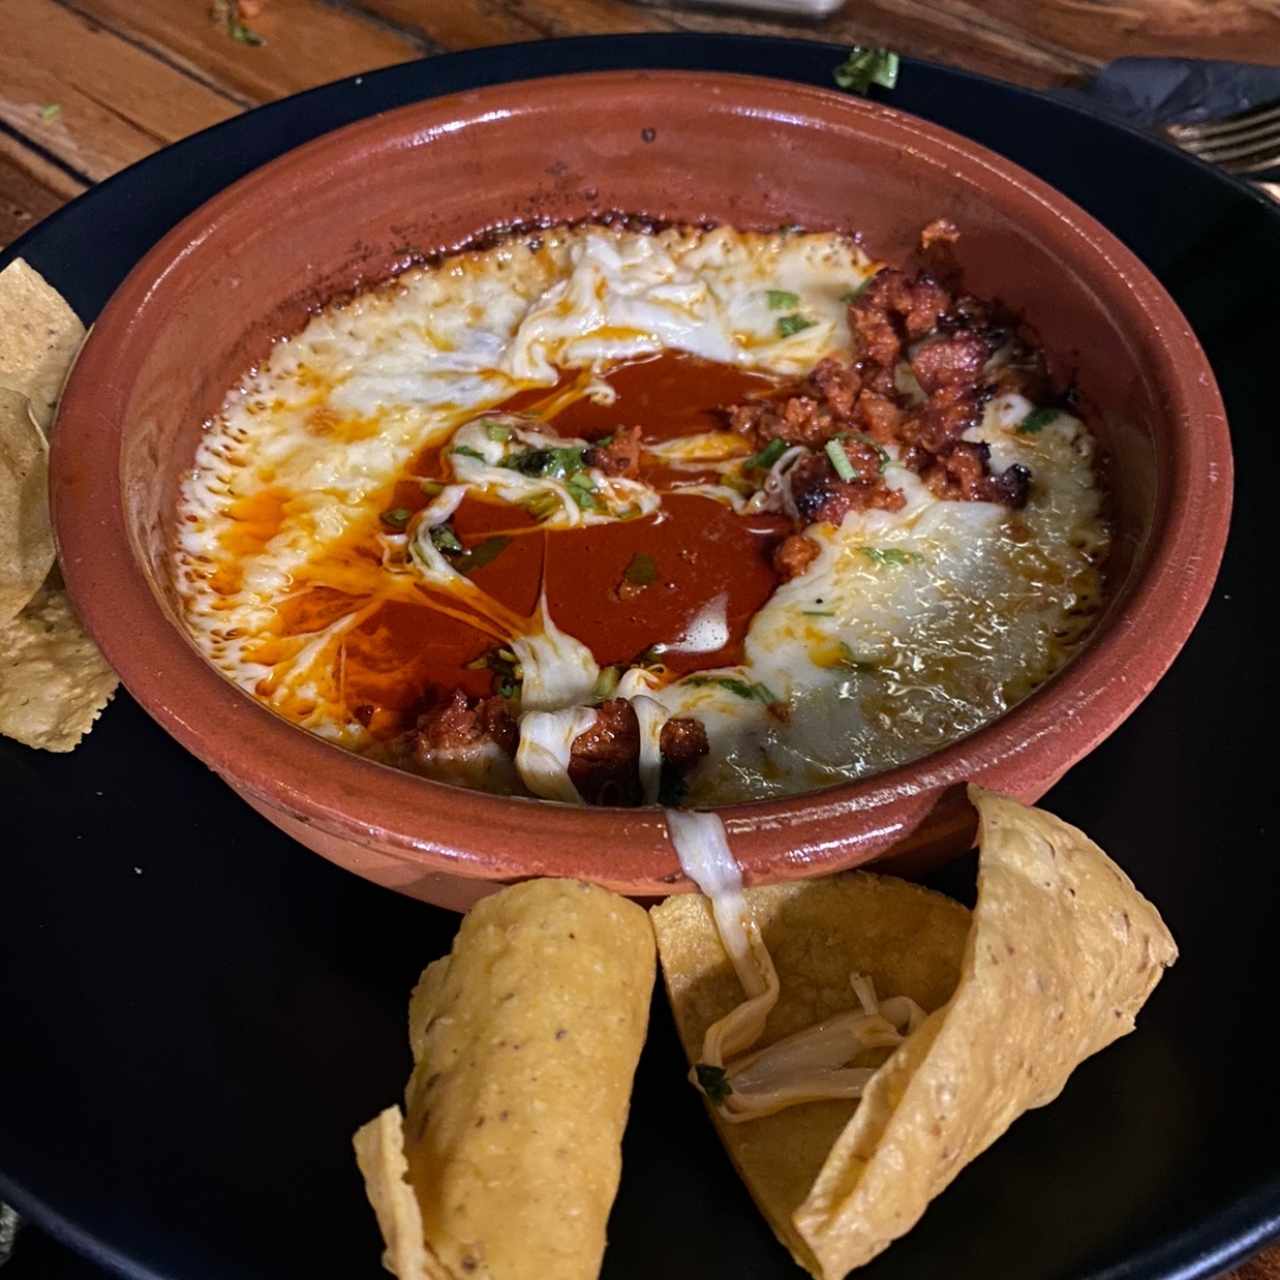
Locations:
(351, 208)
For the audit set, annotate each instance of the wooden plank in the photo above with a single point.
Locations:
(920, 29)
(587, 17)
(93, 100)
(467, 25)
(1240, 30)
(30, 188)
(307, 42)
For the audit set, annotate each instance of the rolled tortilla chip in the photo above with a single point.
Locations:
(525, 1040)
(1062, 953)
(908, 940)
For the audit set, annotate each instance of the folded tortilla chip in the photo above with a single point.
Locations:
(53, 681)
(26, 535)
(525, 1041)
(908, 940)
(1062, 953)
(39, 338)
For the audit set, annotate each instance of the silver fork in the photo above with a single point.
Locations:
(1242, 144)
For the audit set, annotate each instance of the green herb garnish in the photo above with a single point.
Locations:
(767, 456)
(714, 1082)
(890, 555)
(787, 325)
(818, 613)
(840, 460)
(881, 453)
(498, 432)
(780, 298)
(468, 452)
(432, 488)
(396, 518)
(444, 538)
(482, 554)
(50, 111)
(606, 683)
(1036, 421)
(542, 505)
(852, 295)
(641, 571)
(245, 35)
(582, 490)
(548, 464)
(751, 692)
(865, 67)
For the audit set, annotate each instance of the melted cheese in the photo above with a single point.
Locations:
(910, 628)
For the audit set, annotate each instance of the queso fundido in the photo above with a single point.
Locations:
(617, 515)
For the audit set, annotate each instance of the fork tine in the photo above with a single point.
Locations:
(1213, 130)
(1256, 150)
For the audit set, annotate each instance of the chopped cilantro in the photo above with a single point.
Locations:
(787, 325)
(840, 460)
(779, 299)
(482, 554)
(468, 452)
(881, 453)
(582, 490)
(498, 432)
(714, 1082)
(542, 505)
(890, 555)
(245, 35)
(767, 456)
(641, 571)
(1036, 421)
(396, 517)
(445, 539)
(865, 67)
(852, 295)
(751, 692)
(606, 683)
(548, 464)
(50, 111)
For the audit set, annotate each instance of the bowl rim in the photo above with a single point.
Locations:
(475, 834)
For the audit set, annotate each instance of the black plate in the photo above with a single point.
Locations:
(197, 1013)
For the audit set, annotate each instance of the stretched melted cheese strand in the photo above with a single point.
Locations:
(805, 1067)
(652, 715)
(702, 847)
(557, 669)
(542, 758)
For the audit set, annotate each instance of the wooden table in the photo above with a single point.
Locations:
(89, 86)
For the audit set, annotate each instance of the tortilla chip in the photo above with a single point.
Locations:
(53, 681)
(26, 535)
(909, 940)
(39, 338)
(525, 1041)
(1062, 953)
(380, 1154)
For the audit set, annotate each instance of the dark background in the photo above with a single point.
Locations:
(196, 1013)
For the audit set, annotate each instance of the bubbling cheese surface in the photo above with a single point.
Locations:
(405, 489)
